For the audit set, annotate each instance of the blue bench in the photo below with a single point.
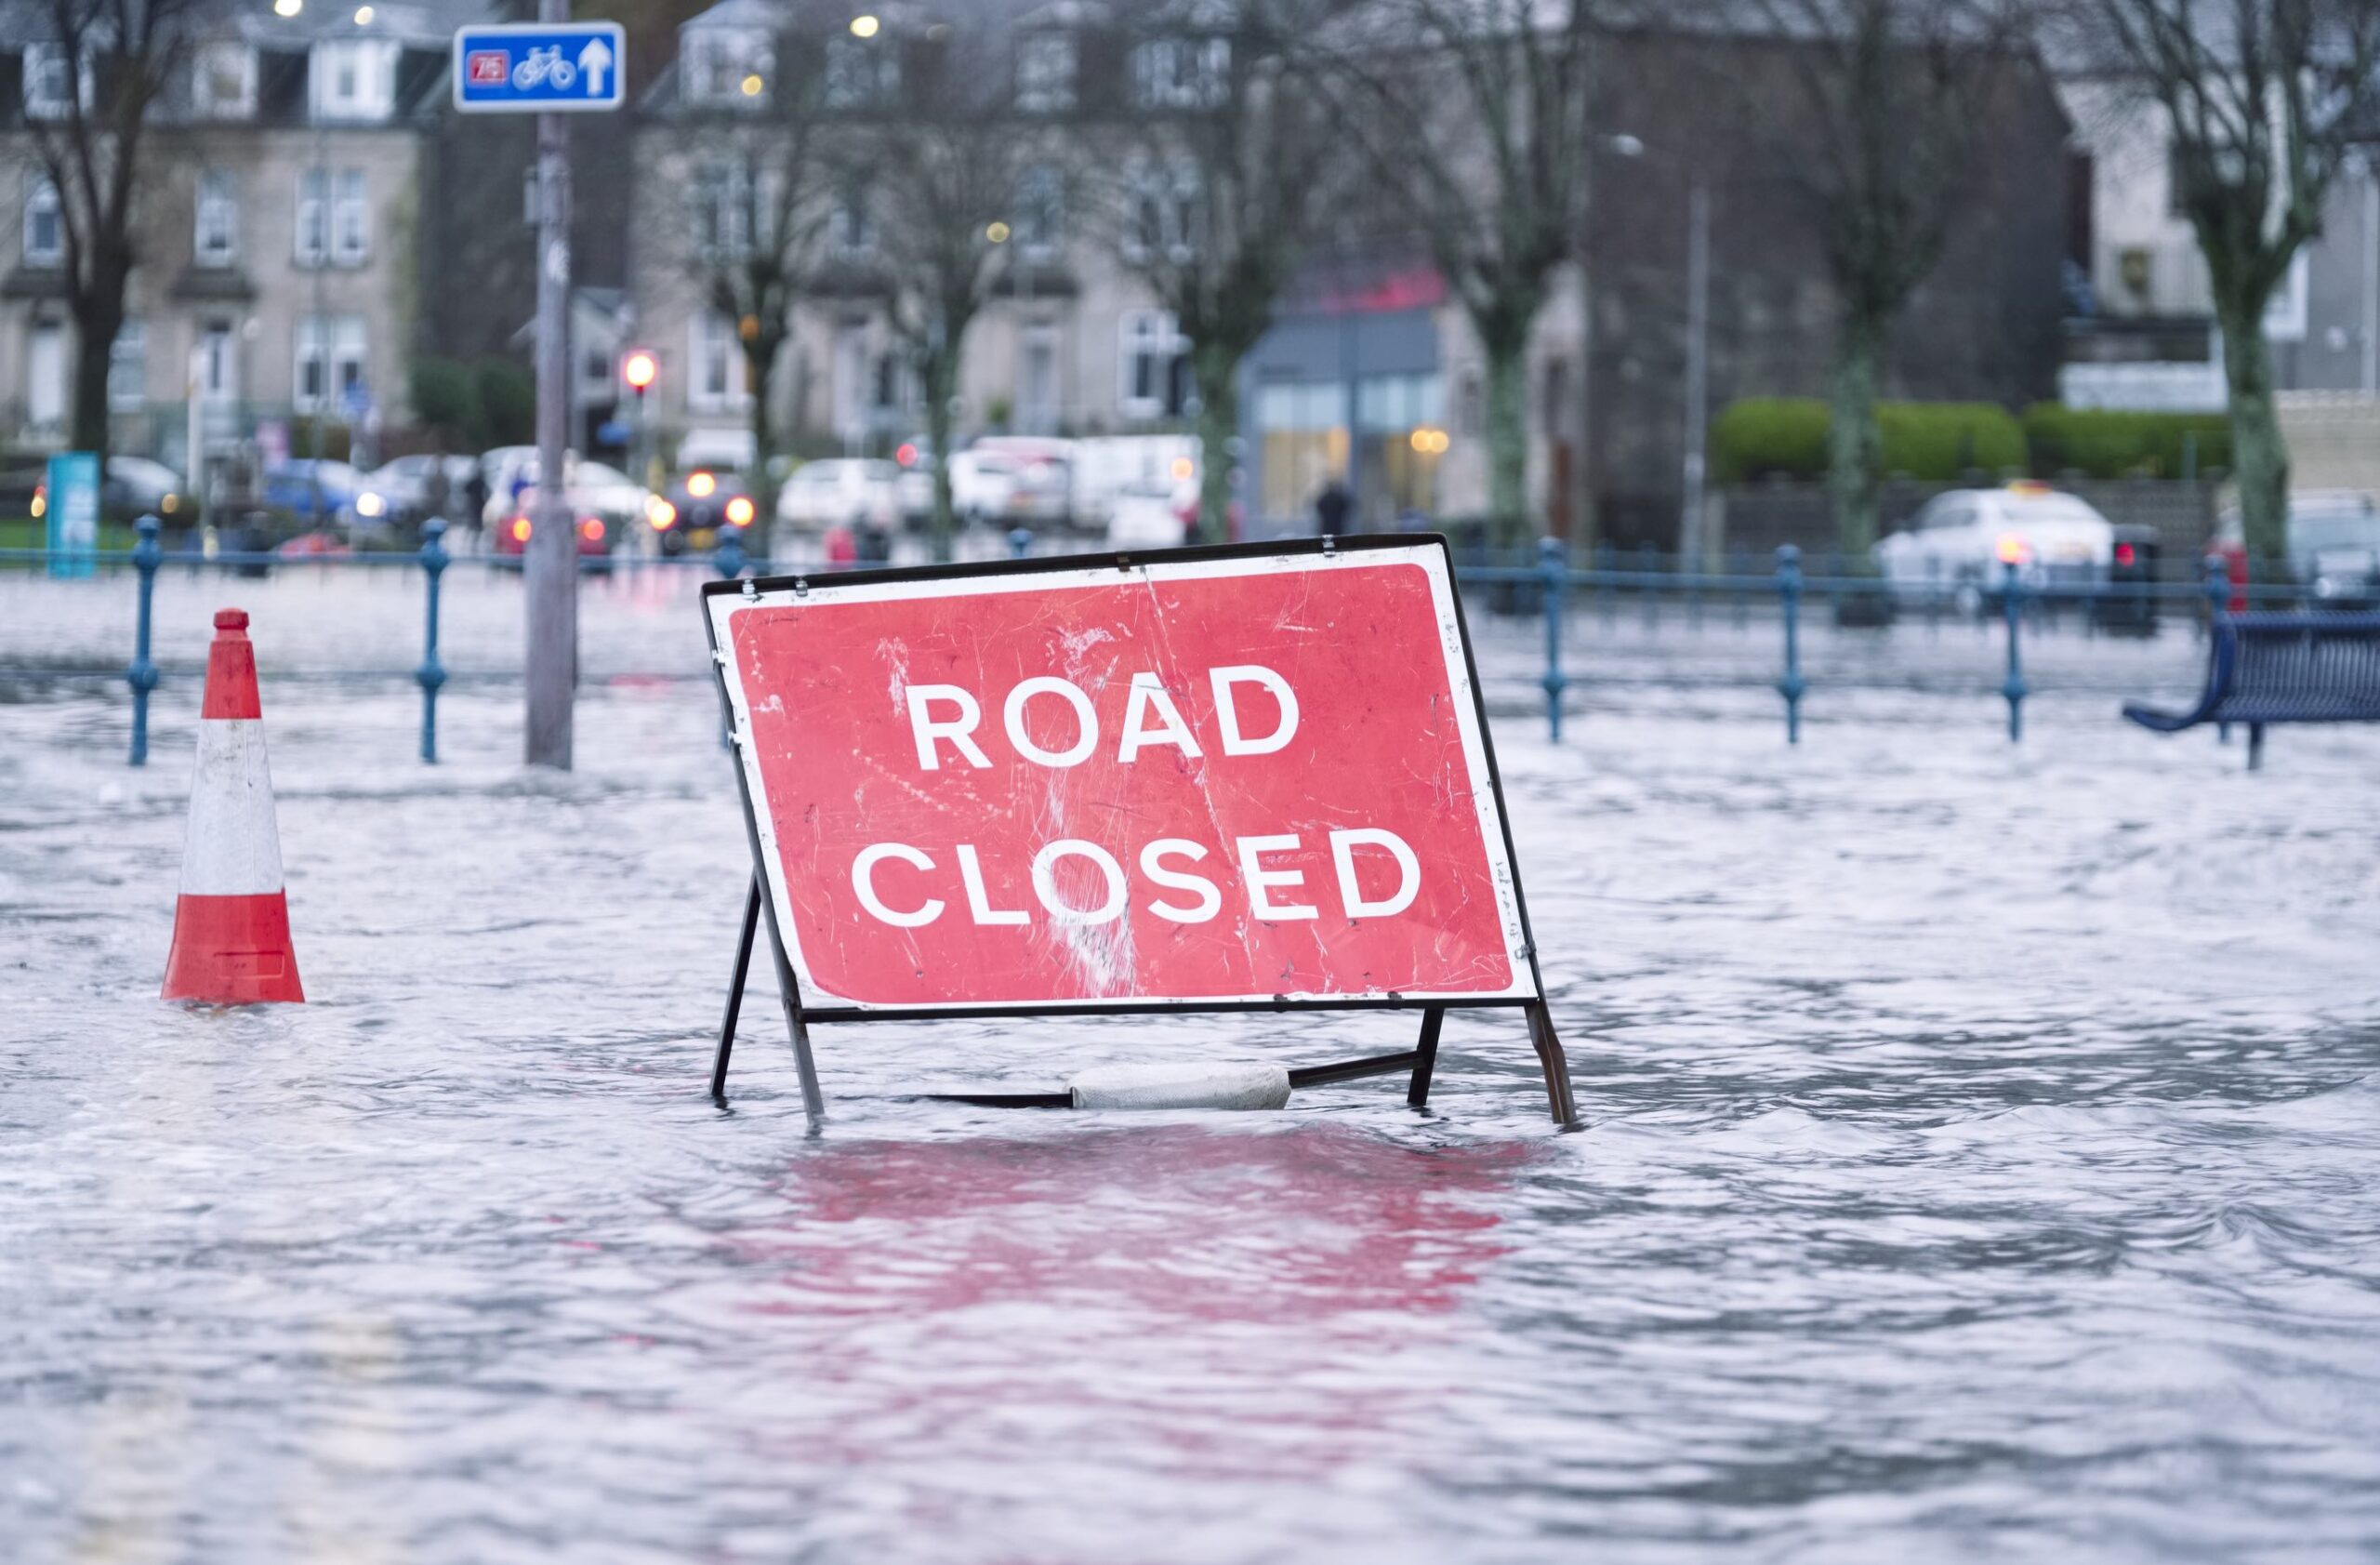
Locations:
(2282, 668)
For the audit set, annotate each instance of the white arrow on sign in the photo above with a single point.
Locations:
(593, 61)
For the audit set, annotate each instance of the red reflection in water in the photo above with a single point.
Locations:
(1167, 1220)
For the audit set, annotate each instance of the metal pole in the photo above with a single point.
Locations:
(1789, 593)
(1020, 542)
(2219, 603)
(1555, 567)
(551, 566)
(432, 673)
(2371, 276)
(1698, 346)
(143, 675)
(2012, 687)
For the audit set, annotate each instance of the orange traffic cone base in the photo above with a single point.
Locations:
(233, 950)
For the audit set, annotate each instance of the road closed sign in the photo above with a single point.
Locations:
(1201, 779)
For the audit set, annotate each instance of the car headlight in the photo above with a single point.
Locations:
(369, 504)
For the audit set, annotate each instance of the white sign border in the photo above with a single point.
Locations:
(612, 105)
(721, 609)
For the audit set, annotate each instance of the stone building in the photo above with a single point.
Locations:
(278, 215)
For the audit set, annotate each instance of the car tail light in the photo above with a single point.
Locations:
(905, 454)
(592, 530)
(520, 529)
(739, 511)
(2127, 554)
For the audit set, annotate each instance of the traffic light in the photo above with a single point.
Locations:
(639, 369)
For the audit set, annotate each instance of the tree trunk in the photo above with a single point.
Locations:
(759, 367)
(1217, 375)
(1855, 445)
(95, 334)
(941, 377)
(1510, 521)
(2259, 460)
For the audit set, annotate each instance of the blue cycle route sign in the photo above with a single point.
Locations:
(539, 68)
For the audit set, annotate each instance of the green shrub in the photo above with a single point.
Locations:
(508, 403)
(1787, 436)
(2102, 443)
(1761, 436)
(444, 395)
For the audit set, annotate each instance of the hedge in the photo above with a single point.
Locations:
(2100, 444)
(1786, 437)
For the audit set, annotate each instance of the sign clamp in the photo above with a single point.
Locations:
(1418, 1063)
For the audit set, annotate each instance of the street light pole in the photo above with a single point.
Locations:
(1691, 542)
(550, 563)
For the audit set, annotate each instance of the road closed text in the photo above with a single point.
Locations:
(1074, 881)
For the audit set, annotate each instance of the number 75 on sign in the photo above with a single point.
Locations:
(539, 69)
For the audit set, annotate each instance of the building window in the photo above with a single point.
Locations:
(1301, 435)
(1164, 210)
(1045, 73)
(314, 217)
(218, 369)
(1040, 209)
(719, 378)
(50, 75)
(595, 370)
(352, 223)
(723, 210)
(1155, 364)
(223, 82)
(44, 227)
(331, 369)
(861, 74)
(1180, 73)
(128, 367)
(354, 79)
(720, 59)
(851, 229)
(217, 239)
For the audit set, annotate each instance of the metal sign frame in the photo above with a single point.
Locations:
(1419, 1061)
(612, 32)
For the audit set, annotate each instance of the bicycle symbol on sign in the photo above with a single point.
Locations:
(541, 65)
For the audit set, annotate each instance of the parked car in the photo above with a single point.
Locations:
(403, 486)
(1149, 514)
(688, 519)
(2333, 543)
(503, 469)
(595, 535)
(135, 486)
(989, 485)
(1959, 545)
(841, 492)
(317, 492)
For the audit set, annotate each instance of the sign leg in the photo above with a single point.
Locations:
(790, 987)
(1425, 1056)
(736, 992)
(1558, 1067)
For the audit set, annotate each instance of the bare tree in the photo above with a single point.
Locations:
(111, 62)
(1224, 180)
(2263, 99)
(1890, 105)
(1476, 114)
(755, 211)
(939, 162)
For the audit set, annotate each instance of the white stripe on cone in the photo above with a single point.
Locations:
(233, 848)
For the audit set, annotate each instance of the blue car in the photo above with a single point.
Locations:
(317, 493)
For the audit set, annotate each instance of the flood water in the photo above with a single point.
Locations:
(1979, 1164)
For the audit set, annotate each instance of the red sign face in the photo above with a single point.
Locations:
(488, 67)
(1193, 781)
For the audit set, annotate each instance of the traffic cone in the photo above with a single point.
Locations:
(232, 921)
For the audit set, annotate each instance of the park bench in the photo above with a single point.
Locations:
(2281, 667)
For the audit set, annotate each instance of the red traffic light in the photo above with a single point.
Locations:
(639, 369)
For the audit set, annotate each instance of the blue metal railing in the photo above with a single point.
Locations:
(1548, 580)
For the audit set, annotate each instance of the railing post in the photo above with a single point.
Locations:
(1554, 564)
(2012, 687)
(1649, 566)
(2219, 603)
(143, 675)
(1789, 594)
(728, 558)
(1020, 543)
(431, 674)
